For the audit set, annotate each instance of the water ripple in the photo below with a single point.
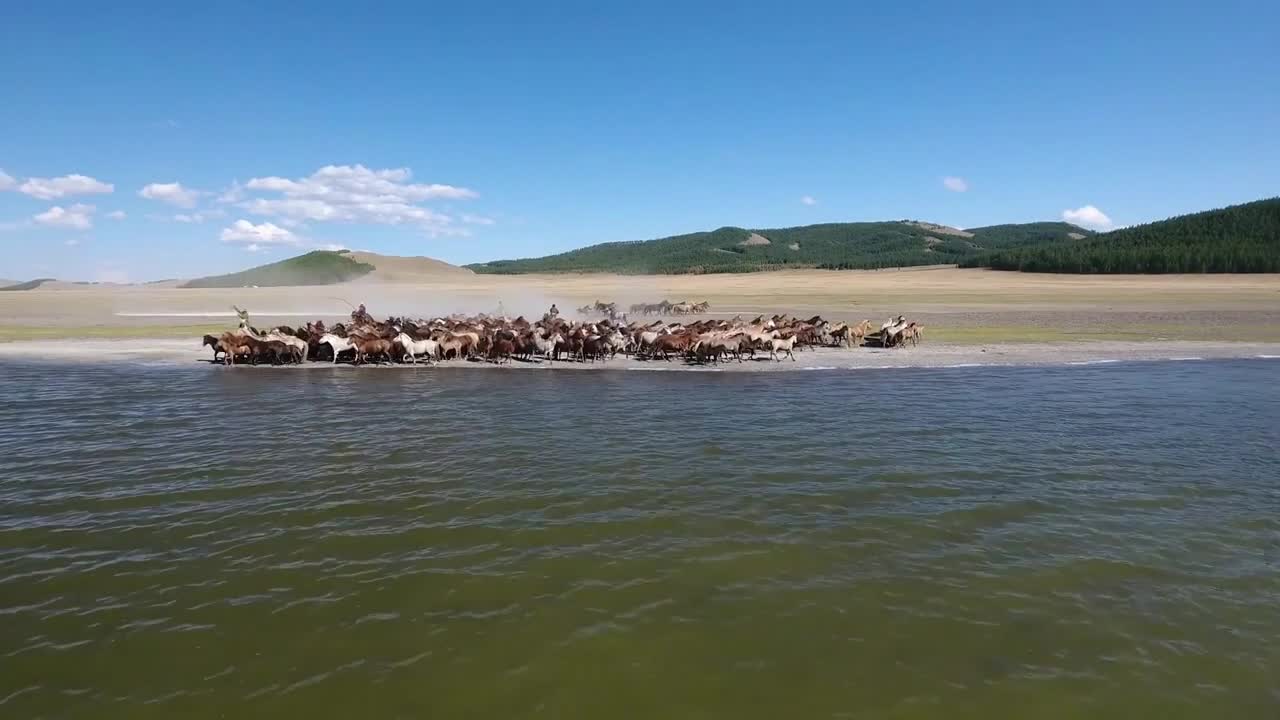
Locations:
(1098, 540)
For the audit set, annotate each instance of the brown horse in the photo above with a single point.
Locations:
(371, 347)
(501, 349)
(212, 341)
(231, 347)
(273, 350)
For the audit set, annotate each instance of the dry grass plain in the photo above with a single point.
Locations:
(957, 306)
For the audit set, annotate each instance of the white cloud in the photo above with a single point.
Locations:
(955, 184)
(172, 193)
(71, 242)
(254, 237)
(50, 188)
(6, 181)
(356, 194)
(117, 215)
(476, 219)
(199, 217)
(233, 194)
(78, 217)
(808, 200)
(1089, 217)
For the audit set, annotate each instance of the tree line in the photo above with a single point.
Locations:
(1237, 239)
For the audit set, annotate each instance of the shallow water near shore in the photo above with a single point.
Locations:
(184, 541)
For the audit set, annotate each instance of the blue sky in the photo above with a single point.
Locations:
(500, 130)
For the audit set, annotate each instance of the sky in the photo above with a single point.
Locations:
(149, 141)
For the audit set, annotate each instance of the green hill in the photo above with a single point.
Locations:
(1240, 238)
(320, 267)
(832, 245)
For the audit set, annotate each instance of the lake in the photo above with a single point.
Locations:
(1049, 542)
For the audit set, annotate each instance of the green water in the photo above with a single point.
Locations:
(970, 543)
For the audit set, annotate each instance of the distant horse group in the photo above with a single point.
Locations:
(667, 307)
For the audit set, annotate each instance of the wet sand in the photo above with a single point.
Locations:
(937, 355)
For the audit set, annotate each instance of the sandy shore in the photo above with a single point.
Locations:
(189, 353)
(973, 308)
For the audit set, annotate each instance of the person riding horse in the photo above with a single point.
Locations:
(360, 315)
(244, 317)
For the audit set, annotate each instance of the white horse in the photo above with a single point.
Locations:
(787, 346)
(618, 343)
(339, 344)
(547, 346)
(414, 348)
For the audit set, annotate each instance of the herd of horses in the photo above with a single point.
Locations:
(666, 308)
(503, 340)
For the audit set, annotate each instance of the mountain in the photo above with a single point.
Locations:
(325, 267)
(1239, 238)
(320, 267)
(832, 245)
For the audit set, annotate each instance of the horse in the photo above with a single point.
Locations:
(855, 333)
(911, 332)
(339, 345)
(667, 344)
(786, 345)
(547, 345)
(366, 347)
(501, 349)
(299, 346)
(212, 341)
(414, 348)
(231, 346)
(274, 350)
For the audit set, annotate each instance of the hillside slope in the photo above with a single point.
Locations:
(1239, 238)
(396, 269)
(28, 285)
(320, 267)
(831, 245)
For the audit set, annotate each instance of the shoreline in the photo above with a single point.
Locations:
(189, 353)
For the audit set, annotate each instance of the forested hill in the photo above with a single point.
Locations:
(1240, 238)
(833, 245)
